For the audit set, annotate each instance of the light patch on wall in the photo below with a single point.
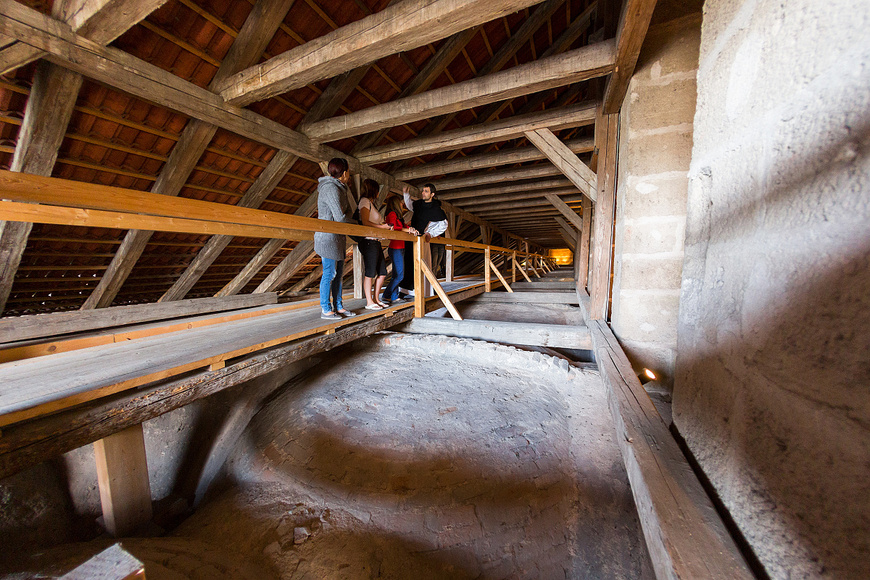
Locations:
(743, 75)
(646, 188)
(647, 327)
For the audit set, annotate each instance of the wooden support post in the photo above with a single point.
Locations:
(514, 267)
(122, 472)
(500, 277)
(487, 283)
(522, 270)
(358, 272)
(583, 244)
(448, 266)
(440, 291)
(602, 257)
(419, 296)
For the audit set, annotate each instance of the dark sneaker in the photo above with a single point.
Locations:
(347, 313)
(330, 316)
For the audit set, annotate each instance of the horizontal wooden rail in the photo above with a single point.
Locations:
(66, 202)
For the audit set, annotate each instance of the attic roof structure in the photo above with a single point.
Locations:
(639, 349)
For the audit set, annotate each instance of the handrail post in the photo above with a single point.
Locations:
(358, 272)
(419, 286)
(448, 265)
(514, 267)
(487, 284)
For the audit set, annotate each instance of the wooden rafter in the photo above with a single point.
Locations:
(249, 45)
(581, 64)
(571, 116)
(402, 26)
(633, 24)
(563, 158)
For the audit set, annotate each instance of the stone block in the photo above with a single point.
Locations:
(654, 236)
(650, 273)
(654, 195)
(658, 358)
(648, 317)
(659, 153)
(670, 48)
(653, 106)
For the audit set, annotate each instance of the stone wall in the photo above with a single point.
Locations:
(771, 391)
(654, 155)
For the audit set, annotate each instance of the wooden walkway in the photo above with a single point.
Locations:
(46, 384)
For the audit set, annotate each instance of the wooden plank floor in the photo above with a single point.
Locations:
(34, 387)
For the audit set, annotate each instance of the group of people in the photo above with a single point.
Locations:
(428, 219)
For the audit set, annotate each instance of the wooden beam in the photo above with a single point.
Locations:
(486, 160)
(400, 27)
(602, 255)
(511, 128)
(32, 326)
(258, 30)
(512, 175)
(434, 67)
(50, 106)
(504, 54)
(504, 192)
(499, 276)
(256, 194)
(578, 65)
(113, 563)
(122, 474)
(101, 21)
(129, 74)
(530, 334)
(26, 444)
(566, 236)
(439, 291)
(566, 211)
(684, 534)
(488, 205)
(260, 259)
(633, 24)
(565, 160)
(583, 244)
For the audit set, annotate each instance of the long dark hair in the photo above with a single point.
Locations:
(396, 204)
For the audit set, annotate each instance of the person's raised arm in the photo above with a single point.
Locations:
(406, 194)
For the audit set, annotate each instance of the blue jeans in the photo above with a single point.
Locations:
(397, 257)
(330, 283)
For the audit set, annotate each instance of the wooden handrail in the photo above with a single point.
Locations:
(66, 202)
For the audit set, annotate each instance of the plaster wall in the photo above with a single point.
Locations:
(654, 156)
(771, 389)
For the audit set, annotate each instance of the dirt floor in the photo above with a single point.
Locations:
(430, 457)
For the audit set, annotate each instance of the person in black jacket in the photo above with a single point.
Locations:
(431, 221)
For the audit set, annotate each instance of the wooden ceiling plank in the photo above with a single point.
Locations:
(501, 176)
(486, 160)
(511, 128)
(474, 195)
(399, 27)
(259, 191)
(49, 109)
(101, 21)
(633, 25)
(257, 32)
(565, 160)
(434, 67)
(556, 71)
(507, 51)
(562, 43)
(134, 76)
